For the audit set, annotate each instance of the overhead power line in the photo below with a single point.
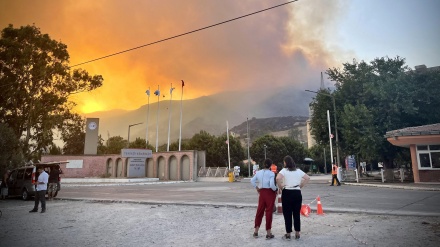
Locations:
(183, 34)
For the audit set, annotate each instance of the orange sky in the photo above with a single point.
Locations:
(283, 46)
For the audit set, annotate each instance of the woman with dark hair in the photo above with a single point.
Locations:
(290, 180)
(267, 192)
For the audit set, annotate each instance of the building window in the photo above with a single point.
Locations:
(428, 156)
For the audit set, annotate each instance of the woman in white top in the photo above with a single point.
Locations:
(290, 180)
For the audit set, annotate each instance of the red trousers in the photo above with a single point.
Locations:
(265, 204)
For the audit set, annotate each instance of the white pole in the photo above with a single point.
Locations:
(227, 137)
(169, 117)
(157, 119)
(180, 128)
(148, 114)
(330, 137)
(249, 157)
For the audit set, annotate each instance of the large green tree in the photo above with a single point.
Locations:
(36, 82)
(73, 134)
(275, 150)
(115, 144)
(219, 151)
(373, 98)
(10, 153)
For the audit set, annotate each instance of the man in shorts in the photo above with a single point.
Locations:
(53, 181)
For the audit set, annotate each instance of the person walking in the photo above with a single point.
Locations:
(267, 192)
(40, 191)
(335, 175)
(290, 180)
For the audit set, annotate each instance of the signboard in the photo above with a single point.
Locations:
(74, 164)
(136, 167)
(350, 162)
(255, 168)
(136, 153)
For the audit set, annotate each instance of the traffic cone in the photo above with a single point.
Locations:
(305, 210)
(279, 204)
(319, 210)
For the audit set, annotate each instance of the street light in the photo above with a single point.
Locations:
(336, 123)
(128, 138)
(148, 114)
(264, 151)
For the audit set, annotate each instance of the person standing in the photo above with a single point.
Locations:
(40, 191)
(290, 180)
(53, 181)
(4, 185)
(335, 175)
(274, 169)
(267, 192)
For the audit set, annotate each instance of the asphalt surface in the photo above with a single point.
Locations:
(221, 214)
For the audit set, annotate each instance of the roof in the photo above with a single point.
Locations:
(431, 129)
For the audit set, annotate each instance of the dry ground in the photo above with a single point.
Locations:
(79, 223)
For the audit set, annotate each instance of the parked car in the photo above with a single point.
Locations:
(20, 179)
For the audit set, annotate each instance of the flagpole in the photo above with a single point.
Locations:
(157, 119)
(148, 115)
(169, 117)
(330, 136)
(227, 136)
(180, 128)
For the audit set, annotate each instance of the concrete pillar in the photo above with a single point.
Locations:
(414, 164)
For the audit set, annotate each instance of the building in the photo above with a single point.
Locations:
(424, 144)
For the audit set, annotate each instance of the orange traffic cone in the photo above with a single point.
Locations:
(305, 210)
(319, 209)
(279, 204)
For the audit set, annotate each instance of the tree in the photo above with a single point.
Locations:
(219, 151)
(73, 135)
(102, 149)
(115, 144)
(55, 150)
(204, 141)
(295, 149)
(36, 82)
(373, 98)
(138, 143)
(275, 150)
(10, 155)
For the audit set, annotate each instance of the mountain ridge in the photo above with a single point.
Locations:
(208, 113)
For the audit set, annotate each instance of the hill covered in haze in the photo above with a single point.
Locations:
(208, 113)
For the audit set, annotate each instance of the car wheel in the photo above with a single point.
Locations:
(25, 195)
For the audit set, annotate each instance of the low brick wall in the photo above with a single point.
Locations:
(429, 175)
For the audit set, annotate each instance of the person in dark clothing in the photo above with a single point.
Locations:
(4, 185)
(53, 181)
(290, 180)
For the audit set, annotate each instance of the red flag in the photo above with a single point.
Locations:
(183, 83)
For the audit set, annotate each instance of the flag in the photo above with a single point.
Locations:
(171, 90)
(183, 83)
(157, 92)
(147, 92)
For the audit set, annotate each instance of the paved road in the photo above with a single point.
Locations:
(219, 214)
(346, 198)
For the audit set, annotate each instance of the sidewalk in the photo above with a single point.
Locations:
(315, 178)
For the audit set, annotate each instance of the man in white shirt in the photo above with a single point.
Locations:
(40, 191)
